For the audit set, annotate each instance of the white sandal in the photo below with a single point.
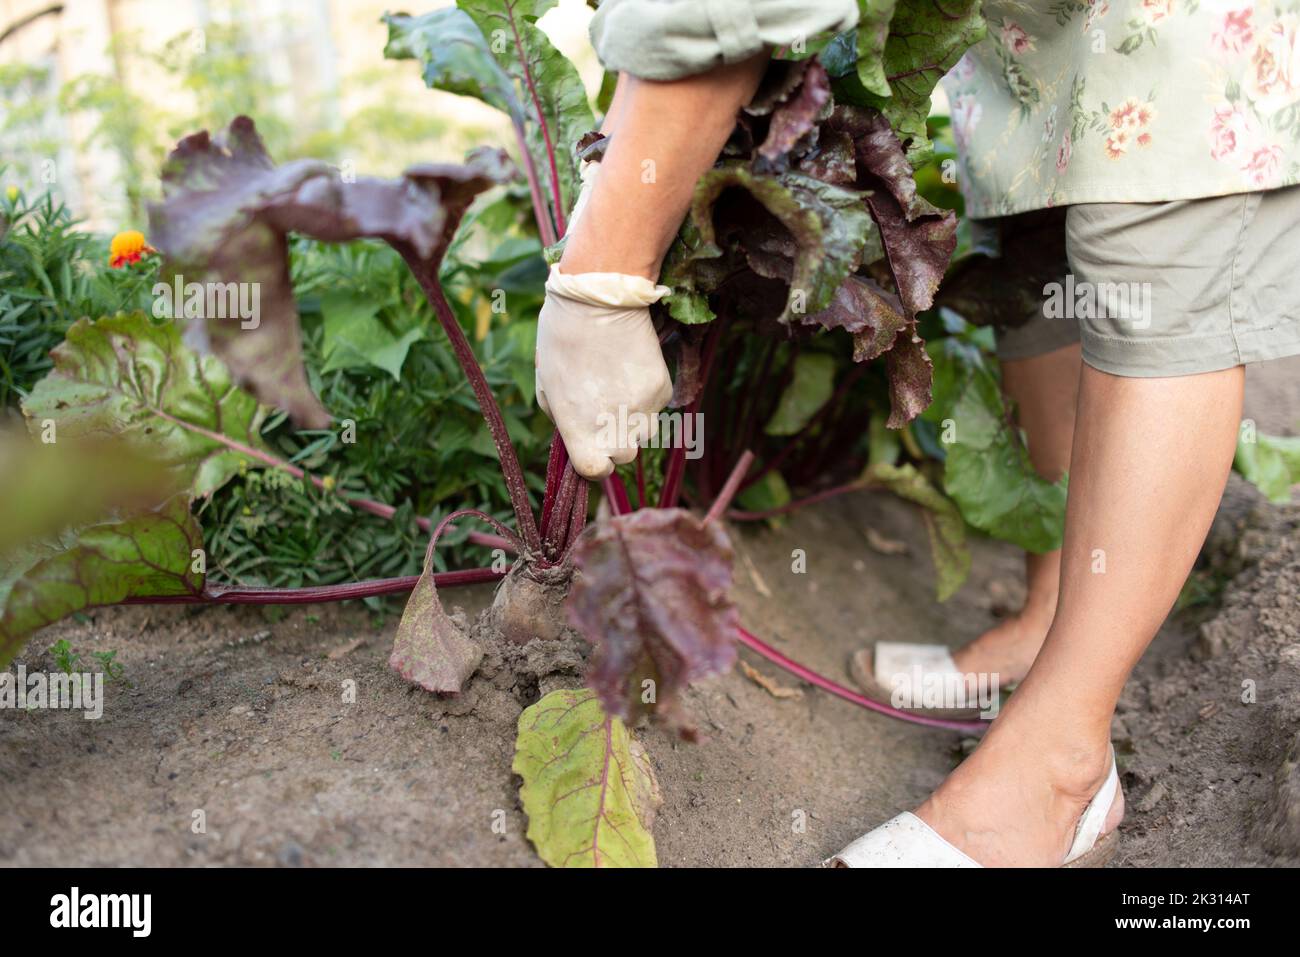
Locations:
(896, 664)
(907, 841)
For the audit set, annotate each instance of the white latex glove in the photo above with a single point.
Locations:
(599, 365)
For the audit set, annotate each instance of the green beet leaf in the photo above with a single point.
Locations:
(148, 554)
(493, 50)
(926, 39)
(792, 227)
(588, 787)
(809, 389)
(989, 474)
(943, 523)
(129, 378)
(1270, 462)
(453, 55)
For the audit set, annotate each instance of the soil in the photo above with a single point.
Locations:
(230, 739)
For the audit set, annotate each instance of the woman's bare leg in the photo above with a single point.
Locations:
(1045, 391)
(1150, 460)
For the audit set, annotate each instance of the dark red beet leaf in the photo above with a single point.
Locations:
(652, 595)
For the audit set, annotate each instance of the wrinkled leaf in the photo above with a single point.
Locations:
(453, 55)
(943, 523)
(431, 649)
(692, 270)
(868, 312)
(926, 39)
(554, 99)
(918, 238)
(588, 787)
(917, 252)
(872, 33)
(909, 369)
(808, 233)
(652, 596)
(794, 119)
(880, 161)
(149, 554)
(493, 51)
(224, 219)
(833, 160)
(126, 377)
(879, 326)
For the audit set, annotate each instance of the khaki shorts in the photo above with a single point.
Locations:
(1160, 289)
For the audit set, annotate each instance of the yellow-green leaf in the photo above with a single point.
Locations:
(589, 790)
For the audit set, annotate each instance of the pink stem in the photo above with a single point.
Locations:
(616, 494)
(426, 274)
(805, 673)
(578, 517)
(467, 512)
(541, 121)
(555, 464)
(731, 486)
(247, 595)
(821, 496)
(544, 225)
(364, 504)
(561, 511)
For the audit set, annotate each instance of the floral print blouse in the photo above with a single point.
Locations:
(1091, 101)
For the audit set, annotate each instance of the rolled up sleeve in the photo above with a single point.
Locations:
(671, 39)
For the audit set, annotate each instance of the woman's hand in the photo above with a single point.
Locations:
(601, 376)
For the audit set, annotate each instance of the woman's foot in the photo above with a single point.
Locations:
(1008, 648)
(1017, 800)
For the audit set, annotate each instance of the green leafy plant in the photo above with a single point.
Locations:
(70, 662)
(51, 274)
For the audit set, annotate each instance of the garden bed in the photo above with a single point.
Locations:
(243, 718)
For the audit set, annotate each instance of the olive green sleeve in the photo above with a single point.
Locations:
(670, 39)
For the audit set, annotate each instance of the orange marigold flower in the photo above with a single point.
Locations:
(127, 247)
